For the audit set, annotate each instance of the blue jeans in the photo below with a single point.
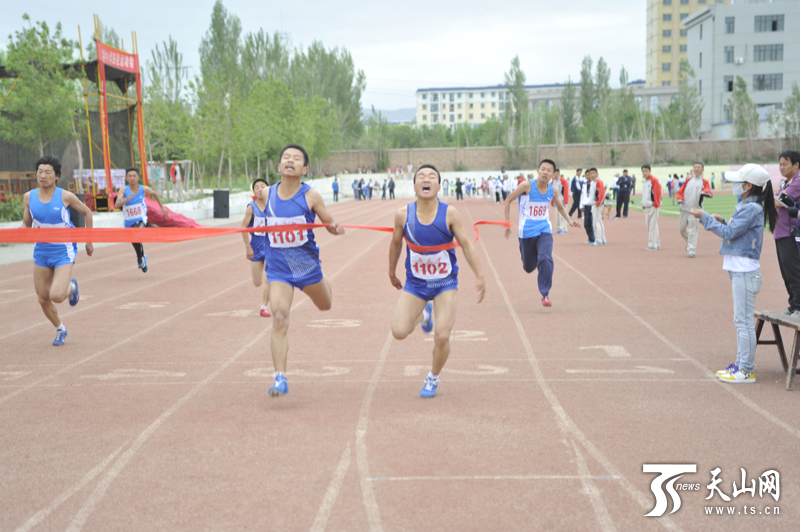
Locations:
(745, 286)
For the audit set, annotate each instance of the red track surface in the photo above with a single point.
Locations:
(155, 414)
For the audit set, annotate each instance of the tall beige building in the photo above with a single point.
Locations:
(666, 37)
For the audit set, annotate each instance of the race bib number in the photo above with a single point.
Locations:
(431, 266)
(129, 212)
(536, 210)
(287, 239)
(259, 221)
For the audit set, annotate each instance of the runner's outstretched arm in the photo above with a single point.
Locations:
(317, 205)
(148, 190)
(71, 200)
(248, 249)
(563, 211)
(396, 247)
(523, 188)
(454, 223)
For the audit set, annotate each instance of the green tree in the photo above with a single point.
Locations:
(743, 110)
(41, 107)
(568, 112)
(376, 138)
(264, 58)
(786, 121)
(587, 90)
(220, 47)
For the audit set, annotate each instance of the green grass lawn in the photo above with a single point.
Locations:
(722, 204)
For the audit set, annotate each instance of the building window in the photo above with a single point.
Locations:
(769, 23)
(424, 96)
(767, 52)
(459, 106)
(452, 96)
(654, 106)
(459, 95)
(701, 32)
(501, 96)
(424, 106)
(726, 113)
(701, 1)
(434, 118)
(683, 33)
(483, 115)
(667, 2)
(470, 105)
(700, 87)
(666, 33)
(502, 104)
(470, 116)
(728, 54)
(494, 105)
(434, 97)
(730, 24)
(483, 95)
(434, 107)
(682, 48)
(666, 67)
(701, 60)
(452, 107)
(684, 15)
(768, 82)
(666, 17)
(492, 95)
(666, 49)
(459, 116)
(424, 117)
(727, 84)
(493, 115)
(483, 105)
(666, 83)
(684, 2)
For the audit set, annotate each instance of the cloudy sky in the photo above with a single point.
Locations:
(421, 43)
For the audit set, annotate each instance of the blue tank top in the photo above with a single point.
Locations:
(291, 251)
(435, 268)
(534, 211)
(136, 209)
(51, 214)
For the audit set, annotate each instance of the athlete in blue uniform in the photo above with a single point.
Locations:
(535, 229)
(293, 255)
(47, 206)
(134, 209)
(255, 244)
(431, 276)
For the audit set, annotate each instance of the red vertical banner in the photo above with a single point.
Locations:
(101, 76)
(140, 125)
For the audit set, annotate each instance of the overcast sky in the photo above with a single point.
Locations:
(401, 47)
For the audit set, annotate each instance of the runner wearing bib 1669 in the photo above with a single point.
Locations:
(430, 275)
(256, 244)
(535, 229)
(134, 209)
(293, 255)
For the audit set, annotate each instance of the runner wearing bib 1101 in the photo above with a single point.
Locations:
(134, 209)
(255, 244)
(48, 207)
(431, 276)
(535, 229)
(293, 255)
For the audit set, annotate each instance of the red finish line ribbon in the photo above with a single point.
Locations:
(143, 235)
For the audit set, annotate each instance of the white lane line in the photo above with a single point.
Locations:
(329, 500)
(362, 459)
(491, 477)
(699, 365)
(148, 285)
(118, 344)
(600, 510)
(100, 490)
(39, 516)
(563, 417)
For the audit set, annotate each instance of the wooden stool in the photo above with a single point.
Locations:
(776, 319)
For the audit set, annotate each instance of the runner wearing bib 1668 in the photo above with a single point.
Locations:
(535, 229)
(256, 244)
(293, 255)
(430, 275)
(134, 209)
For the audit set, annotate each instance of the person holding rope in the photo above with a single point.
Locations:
(535, 230)
(47, 206)
(255, 248)
(293, 254)
(431, 275)
(134, 209)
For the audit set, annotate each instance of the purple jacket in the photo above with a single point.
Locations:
(785, 222)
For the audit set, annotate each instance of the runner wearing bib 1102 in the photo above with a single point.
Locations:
(131, 200)
(255, 244)
(431, 276)
(293, 256)
(535, 230)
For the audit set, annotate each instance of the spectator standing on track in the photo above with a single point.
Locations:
(623, 194)
(742, 239)
(690, 196)
(356, 189)
(445, 187)
(391, 186)
(508, 186)
(459, 189)
(633, 184)
(535, 231)
(713, 178)
(177, 181)
(675, 187)
(385, 186)
(651, 202)
(335, 187)
(366, 189)
(575, 187)
(788, 256)
(593, 197)
(562, 191)
(255, 248)
(293, 255)
(431, 276)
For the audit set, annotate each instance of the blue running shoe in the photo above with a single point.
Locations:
(75, 296)
(144, 264)
(427, 324)
(60, 337)
(429, 389)
(281, 387)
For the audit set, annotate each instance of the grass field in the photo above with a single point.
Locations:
(722, 204)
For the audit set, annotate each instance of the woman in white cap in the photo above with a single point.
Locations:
(742, 237)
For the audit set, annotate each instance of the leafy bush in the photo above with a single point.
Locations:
(11, 209)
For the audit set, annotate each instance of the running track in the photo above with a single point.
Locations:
(155, 415)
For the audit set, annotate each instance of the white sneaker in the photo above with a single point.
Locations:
(738, 377)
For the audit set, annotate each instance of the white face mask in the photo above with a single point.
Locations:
(738, 189)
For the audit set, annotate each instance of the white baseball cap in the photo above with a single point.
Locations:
(749, 173)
